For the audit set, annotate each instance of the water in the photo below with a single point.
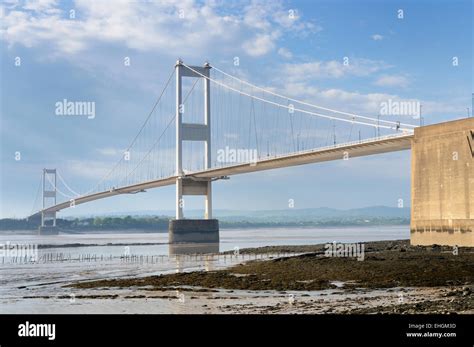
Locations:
(39, 287)
(157, 243)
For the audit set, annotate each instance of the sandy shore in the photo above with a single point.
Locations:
(393, 277)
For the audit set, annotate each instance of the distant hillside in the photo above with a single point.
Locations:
(148, 221)
(309, 214)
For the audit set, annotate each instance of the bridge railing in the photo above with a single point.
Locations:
(344, 144)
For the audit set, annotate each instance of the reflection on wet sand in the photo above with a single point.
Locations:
(193, 248)
(206, 250)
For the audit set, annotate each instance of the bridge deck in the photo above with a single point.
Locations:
(379, 145)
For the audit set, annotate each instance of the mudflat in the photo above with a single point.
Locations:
(386, 265)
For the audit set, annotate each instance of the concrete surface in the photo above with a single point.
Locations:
(193, 230)
(442, 191)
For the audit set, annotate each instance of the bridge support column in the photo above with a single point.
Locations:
(208, 202)
(193, 230)
(442, 186)
(48, 219)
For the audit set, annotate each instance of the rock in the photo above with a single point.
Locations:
(451, 293)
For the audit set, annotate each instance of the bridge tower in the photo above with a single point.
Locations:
(48, 219)
(193, 230)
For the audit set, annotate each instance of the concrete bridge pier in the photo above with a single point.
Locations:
(48, 230)
(193, 230)
(442, 184)
(182, 230)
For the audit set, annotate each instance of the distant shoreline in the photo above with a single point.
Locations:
(160, 224)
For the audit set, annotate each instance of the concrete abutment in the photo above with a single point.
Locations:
(442, 184)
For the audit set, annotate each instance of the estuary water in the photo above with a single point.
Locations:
(39, 284)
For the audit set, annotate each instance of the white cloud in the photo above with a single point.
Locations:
(285, 53)
(256, 16)
(377, 37)
(89, 169)
(290, 19)
(185, 28)
(111, 152)
(260, 45)
(144, 26)
(340, 99)
(302, 82)
(271, 20)
(333, 69)
(41, 5)
(392, 81)
(368, 104)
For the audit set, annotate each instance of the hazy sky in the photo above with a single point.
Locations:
(424, 55)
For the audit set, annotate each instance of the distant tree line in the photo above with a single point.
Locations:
(161, 223)
(97, 223)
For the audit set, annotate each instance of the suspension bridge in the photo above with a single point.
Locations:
(208, 125)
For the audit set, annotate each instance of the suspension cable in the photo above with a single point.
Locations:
(66, 185)
(136, 137)
(306, 103)
(37, 196)
(159, 138)
(296, 109)
(58, 190)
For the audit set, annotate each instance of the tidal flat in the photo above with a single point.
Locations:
(393, 277)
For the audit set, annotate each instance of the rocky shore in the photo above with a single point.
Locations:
(393, 277)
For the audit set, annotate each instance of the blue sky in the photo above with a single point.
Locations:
(81, 58)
